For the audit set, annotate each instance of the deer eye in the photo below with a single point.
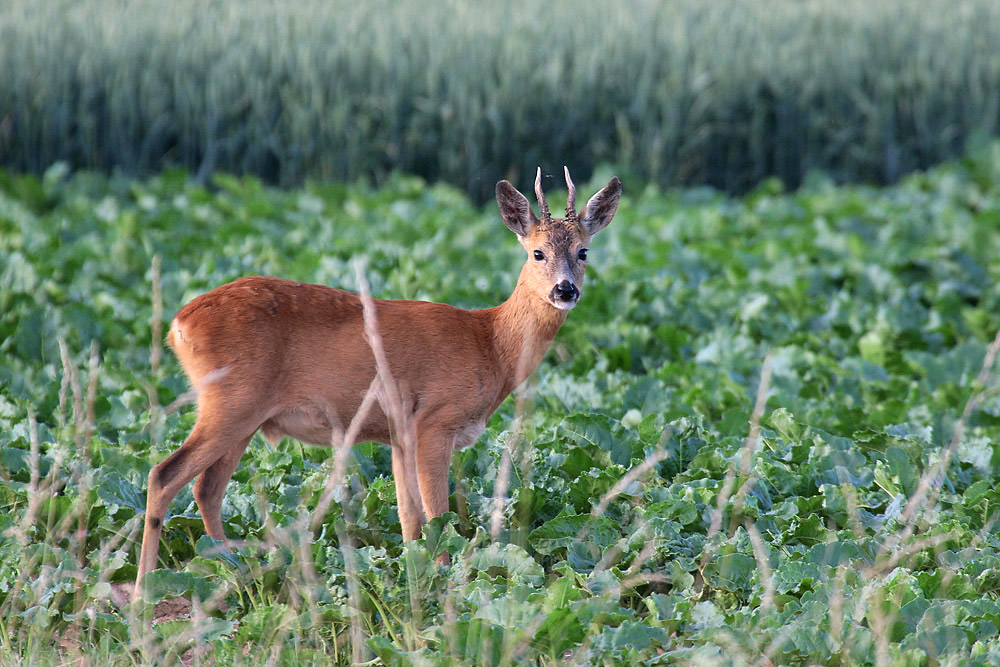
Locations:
(582, 254)
(539, 256)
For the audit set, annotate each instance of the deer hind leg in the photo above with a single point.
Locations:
(208, 443)
(211, 488)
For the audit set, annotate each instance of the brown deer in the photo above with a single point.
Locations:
(293, 359)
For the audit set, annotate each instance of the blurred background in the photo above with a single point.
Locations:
(677, 93)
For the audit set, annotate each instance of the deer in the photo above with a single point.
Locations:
(293, 359)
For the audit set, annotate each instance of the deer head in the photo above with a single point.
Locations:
(557, 247)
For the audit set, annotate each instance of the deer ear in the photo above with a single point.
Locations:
(515, 209)
(601, 207)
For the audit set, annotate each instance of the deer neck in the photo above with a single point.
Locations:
(523, 329)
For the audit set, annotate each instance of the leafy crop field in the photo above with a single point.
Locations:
(769, 433)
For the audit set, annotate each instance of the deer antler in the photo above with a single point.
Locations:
(571, 199)
(546, 216)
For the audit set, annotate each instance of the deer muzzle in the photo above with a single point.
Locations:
(565, 292)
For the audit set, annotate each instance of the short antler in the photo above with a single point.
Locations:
(571, 199)
(546, 216)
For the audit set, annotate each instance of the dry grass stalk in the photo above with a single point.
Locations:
(35, 497)
(392, 398)
(886, 564)
(763, 566)
(616, 490)
(502, 484)
(515, 650)
(72, 377)
(746, 460)
(342, 449)
(851, 504)
(900, 546)
(93, 377)
(924, 499)
(22, 532)
(390, 394)
(645, 554)
(156, 324)
(384, 390)
(632, 475)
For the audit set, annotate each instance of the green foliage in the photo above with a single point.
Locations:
(684, 92)
(636, 526)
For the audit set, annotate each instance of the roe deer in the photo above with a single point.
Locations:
(288, 358)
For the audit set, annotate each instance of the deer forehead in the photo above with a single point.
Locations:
(558, 233)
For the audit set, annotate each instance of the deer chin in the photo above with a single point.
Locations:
(559, 304)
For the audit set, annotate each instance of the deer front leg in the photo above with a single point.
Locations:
(411, 511)
(433, 464)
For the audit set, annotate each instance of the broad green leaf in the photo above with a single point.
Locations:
(669, 611)
(561, 592)
(473, 641)
(115, 490)
(565, 530)
(602, 432)
(732, 572)
(795, 576)
(440, 537)
(630, 636)
(509, 612)
(212, 549)
(205, 631)
(162, 584)
(560, 631)
(508, 560)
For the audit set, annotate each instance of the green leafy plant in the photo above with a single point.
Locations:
(768, 434)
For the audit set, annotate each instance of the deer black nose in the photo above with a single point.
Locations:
(566, 291)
